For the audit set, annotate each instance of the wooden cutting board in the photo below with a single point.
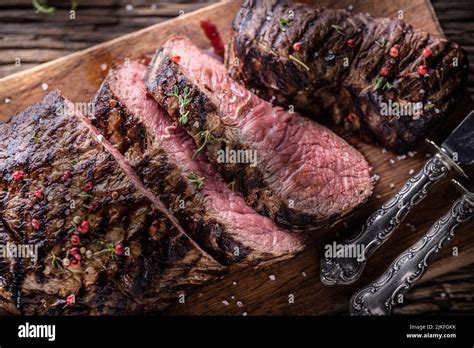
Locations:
(269, 290)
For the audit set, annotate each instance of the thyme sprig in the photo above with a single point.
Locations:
(183, 101)
(338, 29)
(203, 138)
(196, 180)
(380, 83)
(298, 62)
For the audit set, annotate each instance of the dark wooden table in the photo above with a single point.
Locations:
(28, 38)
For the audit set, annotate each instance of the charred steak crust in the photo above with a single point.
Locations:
(165, 177)
(261, 55)
(266, 187)
(80, 182)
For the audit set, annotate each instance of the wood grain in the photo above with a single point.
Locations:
(245, 290)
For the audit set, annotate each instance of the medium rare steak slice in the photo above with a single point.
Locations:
(162, 155)
(379, 77)
(102, 245)
(302, 175)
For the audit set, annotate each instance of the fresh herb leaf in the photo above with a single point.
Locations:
(196, 181)
(387, 86)
(429, 106)
(338, 29)
(378, 83)
(298, 62)
(43, 8)
(36, 138)
(184, 99)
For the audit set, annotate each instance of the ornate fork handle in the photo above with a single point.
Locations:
(383, 222)
(380, 297)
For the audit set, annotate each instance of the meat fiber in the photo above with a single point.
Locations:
(379, 77)
(304, 176)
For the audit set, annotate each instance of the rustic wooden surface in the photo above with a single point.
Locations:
(37, 38)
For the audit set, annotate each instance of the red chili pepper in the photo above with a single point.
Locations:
(84, 227)
(77, 257)
(75, 239)
(18, 175)
(35, 223)
(67, 174)
(384, 71)
(211, 32)
(427, 52)
(39, 194)
(119, 249)
(297, 46)
(176, 59)
(88, 186)
(71, 300)
(422, 70)
(350, 43)
(394, 52)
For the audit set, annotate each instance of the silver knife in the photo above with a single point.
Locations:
(456, 151)
(379, 297)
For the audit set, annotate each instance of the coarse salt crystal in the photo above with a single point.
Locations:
(244, 314)
(232, 297)
(100, 138)
(384, 150)
(7, 100)
(240, 304)
(375, 178)
(392, 186)
(378, 196)
(350, 8)
(129, 7)
(402, 157)
(272, 277)
(411, 154)
(44, 86)
(225, 302)
(392, 161)
(411, 171)
(304, 274)
(103, 66)
(234, 283)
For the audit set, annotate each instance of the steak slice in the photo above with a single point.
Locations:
(64, 193)
(305, 176)
(378, 93)
(162, 155)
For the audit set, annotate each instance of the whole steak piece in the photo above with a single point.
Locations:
(379, 77)
(99, 241)
(300, 173)
(162, 156)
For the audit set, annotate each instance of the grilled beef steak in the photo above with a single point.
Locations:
(162, 155)
(303, 175)
(376, 76)
(103, 246)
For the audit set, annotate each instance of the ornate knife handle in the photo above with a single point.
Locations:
(379, 297)
(383, 222)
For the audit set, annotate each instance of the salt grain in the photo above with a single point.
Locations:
(44, 86)
(392, 161)
(240, 304)
(350, 8)
(129, 7)
(411, 171)
(411, 154)
(234, 283)
(375, 178)
(402, 157)
(244, 314)
(7, 100)
(232, 297)
(392, 186)
(225, 302)
(384, 150)
(103, 67)
(272, 277)
(304, 274)
(378, 196)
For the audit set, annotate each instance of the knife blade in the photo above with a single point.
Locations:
(379, 297)
(456, 151)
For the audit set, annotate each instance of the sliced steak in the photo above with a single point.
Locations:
(162, 155)
(304, 175)
(379, 77)
(99, 235)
